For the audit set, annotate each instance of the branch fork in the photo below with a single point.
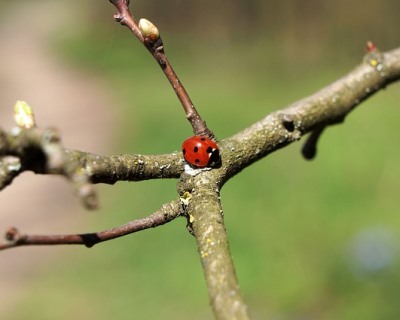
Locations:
(40, 150)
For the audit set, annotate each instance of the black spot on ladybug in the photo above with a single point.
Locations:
(184, 151)
(209, 149)
(197, 160)
(195, 149)
(203, 139)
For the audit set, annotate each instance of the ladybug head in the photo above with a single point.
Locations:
(215, 159)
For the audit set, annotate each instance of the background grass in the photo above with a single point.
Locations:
(311, 240)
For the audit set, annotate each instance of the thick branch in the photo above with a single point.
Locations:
(205, 220)
(110, 169)
(326, 107)
(40, 154)
(167, 213)
(40, 150)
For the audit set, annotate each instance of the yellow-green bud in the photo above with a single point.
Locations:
(23, 115)
(148, 30)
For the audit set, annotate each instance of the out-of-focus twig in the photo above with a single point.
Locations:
(168, 212)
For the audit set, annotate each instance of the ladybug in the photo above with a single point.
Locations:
(200, 152)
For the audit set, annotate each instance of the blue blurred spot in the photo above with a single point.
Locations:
(372, 251)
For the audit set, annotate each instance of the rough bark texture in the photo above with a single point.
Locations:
(205, 219)
(41, 151)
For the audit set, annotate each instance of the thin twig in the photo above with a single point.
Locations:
(309, 149)
(156, 48)
(168, 212)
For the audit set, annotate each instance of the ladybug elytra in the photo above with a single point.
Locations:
(200, 152)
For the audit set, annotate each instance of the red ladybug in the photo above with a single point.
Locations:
(200, 152)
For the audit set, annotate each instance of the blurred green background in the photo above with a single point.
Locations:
(311, 240)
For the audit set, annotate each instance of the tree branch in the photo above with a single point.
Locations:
(9, 169)
(327, 107)
(168, 212)
(40, 151)
(111, 169)
(149, 36)
(205, 220)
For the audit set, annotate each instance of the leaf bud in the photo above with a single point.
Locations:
(23, 115)
(148, 30)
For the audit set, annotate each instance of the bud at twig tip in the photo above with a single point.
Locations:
(23, 115)
(371, 47)
(148, 29)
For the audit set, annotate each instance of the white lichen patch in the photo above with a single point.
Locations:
(194, 171)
